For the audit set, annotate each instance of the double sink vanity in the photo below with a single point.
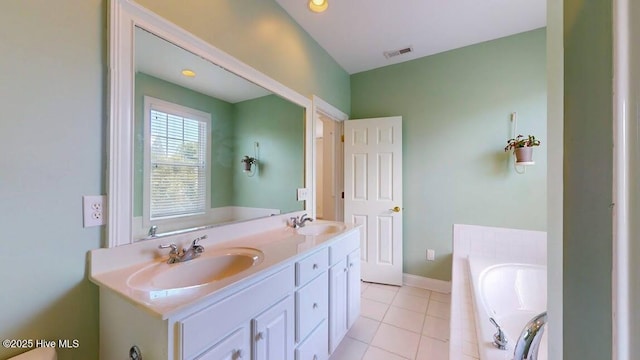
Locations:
(253, 287)
(259, 290)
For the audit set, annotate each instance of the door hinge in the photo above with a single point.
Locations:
(342, 138)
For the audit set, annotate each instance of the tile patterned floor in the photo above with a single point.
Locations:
(398, 323)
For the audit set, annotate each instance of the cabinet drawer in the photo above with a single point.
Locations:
(235, 346)
(312, 306)
(343, 247)
(315, 347)
(311, 266)
(203, 328)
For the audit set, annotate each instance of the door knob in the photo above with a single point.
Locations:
(395, 209)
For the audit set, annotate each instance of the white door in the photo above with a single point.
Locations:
(373, 194)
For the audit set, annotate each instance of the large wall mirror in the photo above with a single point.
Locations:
(197, 137)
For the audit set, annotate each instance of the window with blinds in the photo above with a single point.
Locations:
(178, 168)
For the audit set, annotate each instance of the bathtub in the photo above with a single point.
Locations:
(512, 294)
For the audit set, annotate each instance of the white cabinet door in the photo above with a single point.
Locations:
(353, 288)
(338, 317)
(234, 347)
(273, 332)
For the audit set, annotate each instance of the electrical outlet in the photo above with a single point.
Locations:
(94, 210)
(431, 255)
(303, 194)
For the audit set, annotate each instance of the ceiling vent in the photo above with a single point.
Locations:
(394, 53)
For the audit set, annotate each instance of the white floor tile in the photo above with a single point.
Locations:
(385, 287)
(374, 353)
(364, 329)
(363, 286)
(373, 309)
(432, 349)
(411, 302)
(445, 298)
(436, 328)
(349, 349)
(404, 319)
(414, 291)
(439, 309)
(379, 294)
(414, 327)
(395, 340)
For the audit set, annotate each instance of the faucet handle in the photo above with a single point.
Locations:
(195, 241)
(174, 247)
(198, 248)
(499, 338)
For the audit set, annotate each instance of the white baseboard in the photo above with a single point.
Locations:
(427, 283)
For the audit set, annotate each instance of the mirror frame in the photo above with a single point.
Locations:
(124, 17)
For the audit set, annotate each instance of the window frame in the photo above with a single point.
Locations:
(151, 103)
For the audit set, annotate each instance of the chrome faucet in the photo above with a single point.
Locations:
(529, 340)
(185, 254)
(152, 231)
(297, 222)
(499, 338)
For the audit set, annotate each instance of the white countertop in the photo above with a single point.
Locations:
(111, 268)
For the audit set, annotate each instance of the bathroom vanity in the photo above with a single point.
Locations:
(297, 302)
(260, 289)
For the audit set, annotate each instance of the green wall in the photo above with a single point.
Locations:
(455, 108)
(588, 182)
(53, 135)
(277, 126)
(262, 34)
(52, 151)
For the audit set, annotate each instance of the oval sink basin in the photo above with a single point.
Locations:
(162, 279)
(320, 229)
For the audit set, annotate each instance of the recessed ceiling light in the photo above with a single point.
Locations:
(318, 5)
(188, 73)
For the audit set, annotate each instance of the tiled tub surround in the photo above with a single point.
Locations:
(495, 245)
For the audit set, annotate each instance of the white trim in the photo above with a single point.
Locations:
(422, 282)
(328, 109)
(620, 282)
(124, 16)
(319, 107)
(151, 103)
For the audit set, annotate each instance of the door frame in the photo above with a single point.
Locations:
(322, 108)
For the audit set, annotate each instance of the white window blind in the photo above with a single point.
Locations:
(178, 160)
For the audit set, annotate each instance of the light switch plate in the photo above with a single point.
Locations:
(303, 194)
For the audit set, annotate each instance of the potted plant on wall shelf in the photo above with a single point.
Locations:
(522, 147)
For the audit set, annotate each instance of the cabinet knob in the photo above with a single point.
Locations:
(315, 357)
(346, 269)
(259, 336)
(236, 354)
(350, 264)
(315, 305)
(315, 266)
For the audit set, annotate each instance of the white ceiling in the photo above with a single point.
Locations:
(159, 58)
(357, 32)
